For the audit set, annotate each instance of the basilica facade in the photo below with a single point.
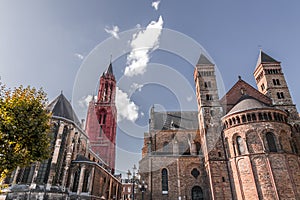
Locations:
(244, 145)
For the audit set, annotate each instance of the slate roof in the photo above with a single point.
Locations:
(110, 70)
(203, 60)
(235, 94)
(187, 120)
(265, 58)
(247, 103)
(61, 107)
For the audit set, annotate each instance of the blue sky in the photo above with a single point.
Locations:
(51, 44)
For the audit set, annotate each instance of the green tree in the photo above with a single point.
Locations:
(24, 125)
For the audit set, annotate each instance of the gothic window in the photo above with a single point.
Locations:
(240, 145)
(26, 175)
(76, 180)
(197, 193)
(105, 92)
(164, 181)
(271, 142)
(111, 91)
(102, 117)
(41, 176)
(85, 181)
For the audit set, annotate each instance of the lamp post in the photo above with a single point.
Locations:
(133, 179)
(143, 187)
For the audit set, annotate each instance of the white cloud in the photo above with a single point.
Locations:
(113, 31)
(155, 4)
(189, 99)
(85, 100)
(142, 44)
(136, 86)
(126, 108)
(78, 55)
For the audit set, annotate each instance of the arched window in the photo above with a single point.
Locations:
(102, 117)
(197, 193)
(240, 145)
(271, 142)
(86, 181)
(243, 118)
(238, 119)
(253, 117)
(164, 181)
(76, 180)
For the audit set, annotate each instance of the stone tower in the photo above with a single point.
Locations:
(271, 82)
(261, 146)
(102, 119)
(210, 113)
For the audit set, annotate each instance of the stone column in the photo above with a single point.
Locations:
(55, 155)
(175, 148)
(36, 171)
(70, 147)
(14, 181)
(91, 180)
(81, 179)
(117, 192)
(193, 149)
(110, 188)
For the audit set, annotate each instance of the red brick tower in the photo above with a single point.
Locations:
(102, 119)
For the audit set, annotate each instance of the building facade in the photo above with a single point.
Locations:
(242, 146)
(81, 165)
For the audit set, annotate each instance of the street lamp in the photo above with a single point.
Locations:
(143, 187)
(133, 179)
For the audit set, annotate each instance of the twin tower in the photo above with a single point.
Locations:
(250, 138)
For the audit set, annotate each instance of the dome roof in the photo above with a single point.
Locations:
(247, 103)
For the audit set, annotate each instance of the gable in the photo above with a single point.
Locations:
(240, 89)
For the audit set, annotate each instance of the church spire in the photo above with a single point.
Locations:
(203, 60)
(109, 69)
(265, 58)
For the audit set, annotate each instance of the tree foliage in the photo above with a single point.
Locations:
(24, 124)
